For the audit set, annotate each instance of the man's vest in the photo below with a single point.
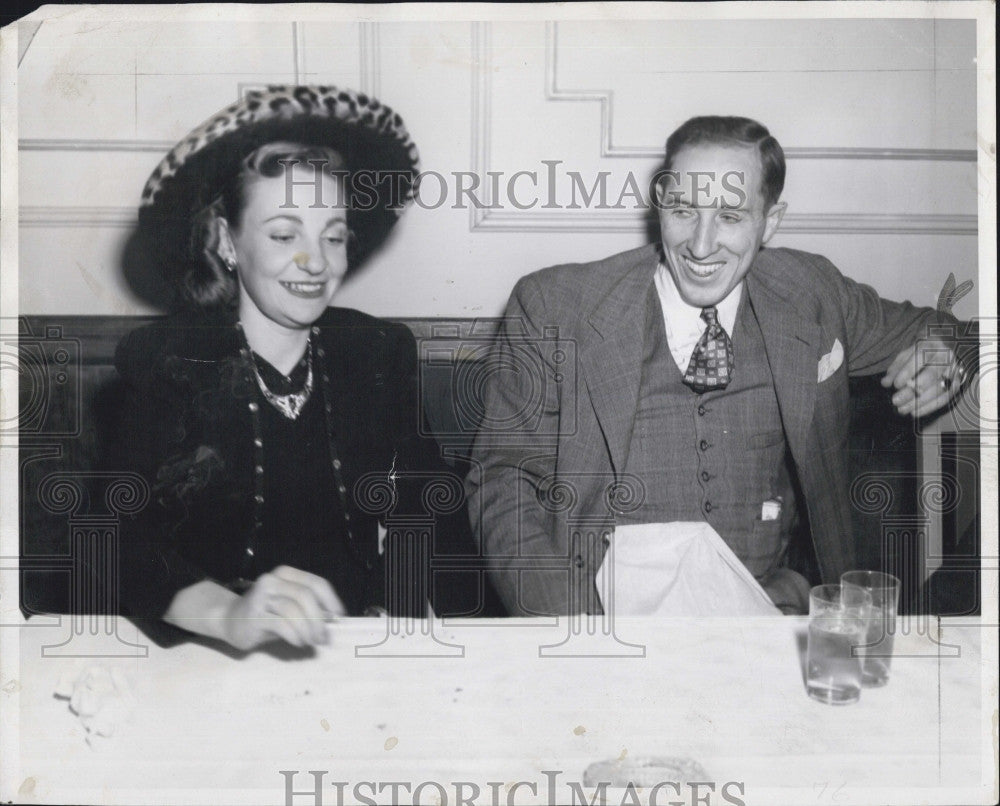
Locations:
(717, 456)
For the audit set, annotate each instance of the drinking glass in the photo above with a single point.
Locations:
(876, 649)
(838, 622)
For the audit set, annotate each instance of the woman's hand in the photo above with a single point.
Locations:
(286, 603)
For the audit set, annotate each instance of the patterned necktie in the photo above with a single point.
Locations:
(711, 364)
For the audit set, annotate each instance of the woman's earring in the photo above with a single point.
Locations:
(230, 265)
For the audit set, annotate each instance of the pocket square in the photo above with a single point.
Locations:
(830, 362)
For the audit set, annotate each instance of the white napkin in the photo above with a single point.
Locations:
(100, 698)
(682, 568)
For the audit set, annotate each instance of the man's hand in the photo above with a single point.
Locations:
(925, 376)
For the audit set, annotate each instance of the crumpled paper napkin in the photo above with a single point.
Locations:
(101, 699)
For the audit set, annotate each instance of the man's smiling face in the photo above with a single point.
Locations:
(713, 219)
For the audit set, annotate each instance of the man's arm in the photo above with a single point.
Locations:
(515, 450)
(426, 485)
(910, 344)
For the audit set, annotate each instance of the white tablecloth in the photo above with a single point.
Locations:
(728, 693)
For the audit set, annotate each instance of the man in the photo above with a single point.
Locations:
(701, 379)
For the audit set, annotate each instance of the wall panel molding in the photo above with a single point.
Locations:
(369, 51)
(482, 114)
(621, 221)
(881, 223)
(605, 97)
(369, 59)
(154, 146)
(298, 52)
(914, 154)
(96, 217)
(631, 221)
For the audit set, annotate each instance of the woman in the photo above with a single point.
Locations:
(274, 431)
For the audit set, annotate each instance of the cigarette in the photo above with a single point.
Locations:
(912, 383)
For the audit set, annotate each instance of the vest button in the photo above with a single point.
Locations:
(702, 411)
(703, 444)
(708, 506)
(578, 561)
(705, 475)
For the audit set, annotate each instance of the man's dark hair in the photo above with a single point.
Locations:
(733, 131)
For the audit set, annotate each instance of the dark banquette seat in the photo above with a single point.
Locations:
(67, 404)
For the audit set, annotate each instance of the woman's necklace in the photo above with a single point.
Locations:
(290, 405)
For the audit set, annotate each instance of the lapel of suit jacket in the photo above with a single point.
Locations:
(612, 359)
(791, 341)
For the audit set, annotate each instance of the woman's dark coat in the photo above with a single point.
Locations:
(187, 428)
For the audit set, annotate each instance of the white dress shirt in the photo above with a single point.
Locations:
(683, 322)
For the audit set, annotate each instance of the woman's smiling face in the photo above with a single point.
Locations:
(290, 246)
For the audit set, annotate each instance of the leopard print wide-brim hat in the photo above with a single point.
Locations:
(368, 134)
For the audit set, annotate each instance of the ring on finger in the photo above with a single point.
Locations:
(960, 374)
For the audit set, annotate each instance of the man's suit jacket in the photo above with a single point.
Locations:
(560, 401)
